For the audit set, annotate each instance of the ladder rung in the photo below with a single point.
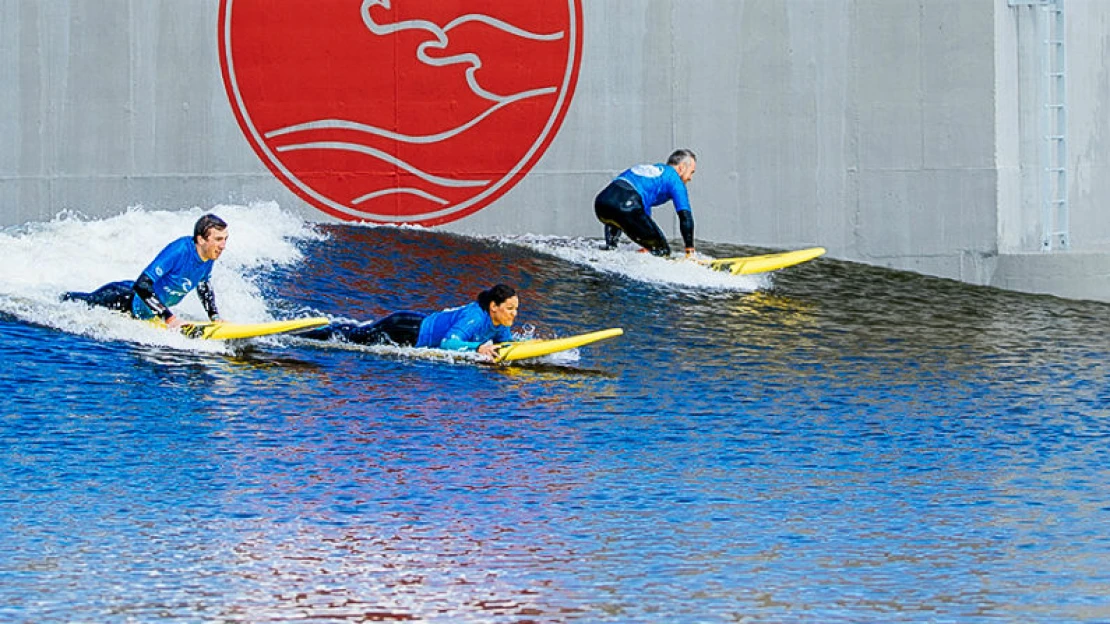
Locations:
(1056, 170)
(1055, 137)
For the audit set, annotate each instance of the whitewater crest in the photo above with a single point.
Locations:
(629, 261)
(72, 252)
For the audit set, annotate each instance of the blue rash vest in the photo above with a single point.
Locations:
(656, 185)
(175, 271)
(461, 329)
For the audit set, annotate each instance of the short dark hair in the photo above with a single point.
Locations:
(206, 223)
(680, 155)
(496, 295)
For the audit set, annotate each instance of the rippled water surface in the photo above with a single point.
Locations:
(835, 443)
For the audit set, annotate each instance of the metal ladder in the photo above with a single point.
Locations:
(1050, 25)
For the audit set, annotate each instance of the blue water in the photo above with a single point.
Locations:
(836, 443)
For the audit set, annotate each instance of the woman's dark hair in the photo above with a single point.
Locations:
(206, 223)
(496, 295)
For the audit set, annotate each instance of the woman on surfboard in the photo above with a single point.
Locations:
(625, 205)
(476, 326)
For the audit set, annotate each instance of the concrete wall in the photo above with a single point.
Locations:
(1089, 123)
(865, 126)
(1081, 270)
(900, 133)
(113, 103)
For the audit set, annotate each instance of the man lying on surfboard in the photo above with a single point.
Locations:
(625, 205)
(476, 326)
(181, 266)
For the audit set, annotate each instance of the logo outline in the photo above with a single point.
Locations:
(452, 212)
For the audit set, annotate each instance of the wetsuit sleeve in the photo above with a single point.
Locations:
(679, 196)
(686, 226)
(461, 336)
(452, 343)
(459, 341)
(144, 289)
(208, 299)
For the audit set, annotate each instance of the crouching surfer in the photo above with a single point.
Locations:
(625, 204)
(183, 265)
(476, 326)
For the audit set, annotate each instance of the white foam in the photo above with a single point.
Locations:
(629, 261)
(44, 260)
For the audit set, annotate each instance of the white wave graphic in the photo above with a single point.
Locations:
(415, 139)
(437, 39)
(396, 191)
(363, 149)
(441, 41)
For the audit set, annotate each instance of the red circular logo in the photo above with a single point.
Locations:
(400, 111)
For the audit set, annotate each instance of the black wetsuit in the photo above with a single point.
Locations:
(114, 296)
(399, 328)
(621, 208)
(119, 296)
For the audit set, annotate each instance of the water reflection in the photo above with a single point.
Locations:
(848, 445)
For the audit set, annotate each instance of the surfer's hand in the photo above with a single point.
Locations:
(173, 322)
(488, 349)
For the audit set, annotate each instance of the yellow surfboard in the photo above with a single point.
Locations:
(233, 331)
(747, 265)
(512, 351)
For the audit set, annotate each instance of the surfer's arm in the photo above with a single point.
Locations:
(501, 335)
(490, 346)
(686, 226)
(208, 300)
(144, 290)
(681, 199)
(468, 332)
(464, 337)
(454, 343)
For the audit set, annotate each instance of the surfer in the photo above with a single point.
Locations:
(626, 203)
(476, 326)
(183, 265)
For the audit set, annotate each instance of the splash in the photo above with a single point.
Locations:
(628, 261)
(71, 252)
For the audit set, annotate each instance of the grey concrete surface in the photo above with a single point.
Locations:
(900, 133)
